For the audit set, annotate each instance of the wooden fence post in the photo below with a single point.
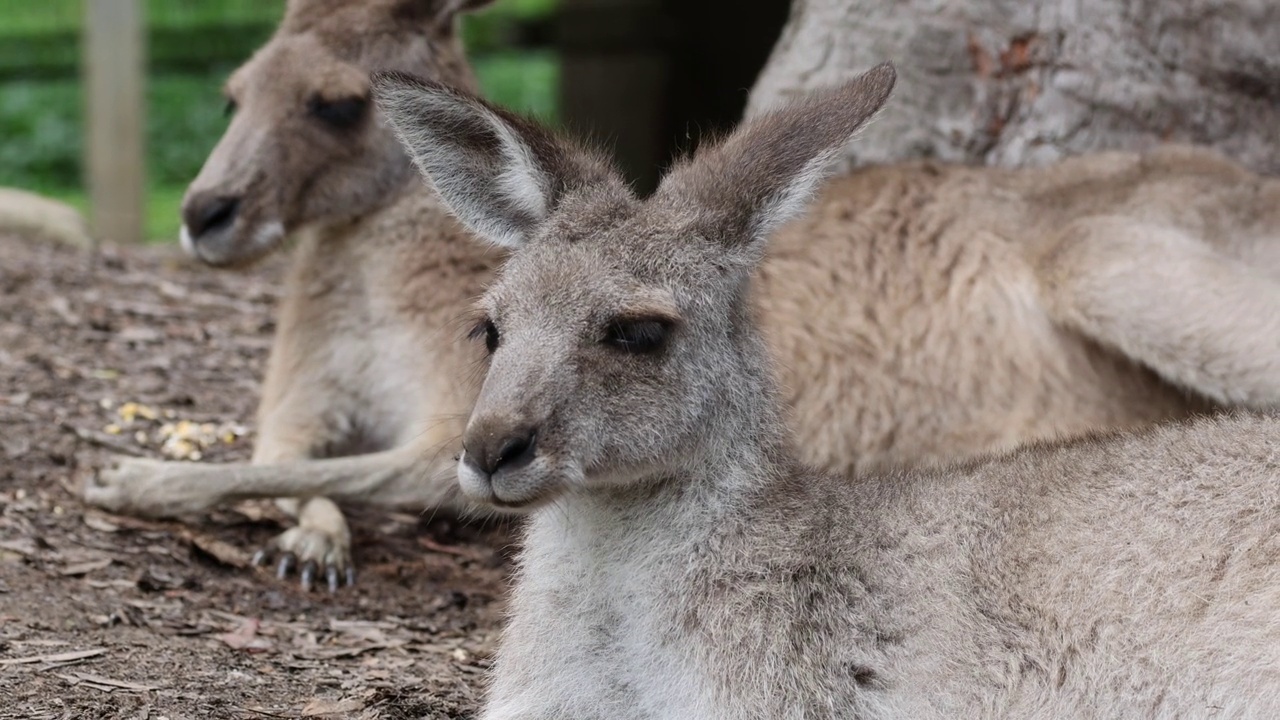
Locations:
(115, 120)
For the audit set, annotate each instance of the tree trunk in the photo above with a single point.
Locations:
(1024, 82)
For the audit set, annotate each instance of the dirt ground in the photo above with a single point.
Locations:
(102, 616)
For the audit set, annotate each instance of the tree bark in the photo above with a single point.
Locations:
(1025, 82)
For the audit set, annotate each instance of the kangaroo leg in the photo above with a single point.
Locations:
(1201, 319)
(407, 476)
(309, 405)
(393, 478)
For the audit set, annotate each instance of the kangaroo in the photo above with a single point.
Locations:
(680, 562)
(967, 310)
(364, 377)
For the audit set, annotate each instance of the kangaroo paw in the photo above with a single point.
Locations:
(314, 554)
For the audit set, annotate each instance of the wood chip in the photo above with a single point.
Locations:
(22, 548)
(56, 657)
(84, 568)
(118, 584)
(125, 522)
(223, 552)
(321, 708)
(62, 307)
(139, 334)
(461, 552)
(333, 653)
(100, 523)
(261, 711)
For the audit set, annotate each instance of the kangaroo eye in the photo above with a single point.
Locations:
(338, 114)
(637, 336)
(487, 330)
(230, 108)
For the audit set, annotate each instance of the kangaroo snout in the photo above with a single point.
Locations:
(495, 465)
(501, 450)
(228, 229)
(202, 214)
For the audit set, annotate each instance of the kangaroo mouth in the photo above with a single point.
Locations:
(518, 490)
(229, 247)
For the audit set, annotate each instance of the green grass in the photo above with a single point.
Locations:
(23, 17)
(527, 82)
(164, 207)
(184, 121)
(40, 124)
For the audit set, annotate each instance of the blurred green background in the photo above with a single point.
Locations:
(192, 45)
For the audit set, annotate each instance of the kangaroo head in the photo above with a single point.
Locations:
(304, 145)
(621, 344)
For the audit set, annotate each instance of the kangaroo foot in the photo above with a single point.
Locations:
(313, 553)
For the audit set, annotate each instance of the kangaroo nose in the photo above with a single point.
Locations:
(498, 451)
(203, 214)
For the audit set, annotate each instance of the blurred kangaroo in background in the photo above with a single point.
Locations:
(919, 313)
(679, 562)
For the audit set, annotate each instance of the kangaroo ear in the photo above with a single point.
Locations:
(766, 171)
(500, 174)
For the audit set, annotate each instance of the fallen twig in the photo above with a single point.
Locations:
(56, 657)
(106, 684)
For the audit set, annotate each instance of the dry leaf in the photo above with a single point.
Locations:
(246, 638)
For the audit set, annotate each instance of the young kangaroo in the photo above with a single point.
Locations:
(680, 562)
(968, 310)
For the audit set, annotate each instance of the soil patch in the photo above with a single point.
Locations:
(140, 351)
